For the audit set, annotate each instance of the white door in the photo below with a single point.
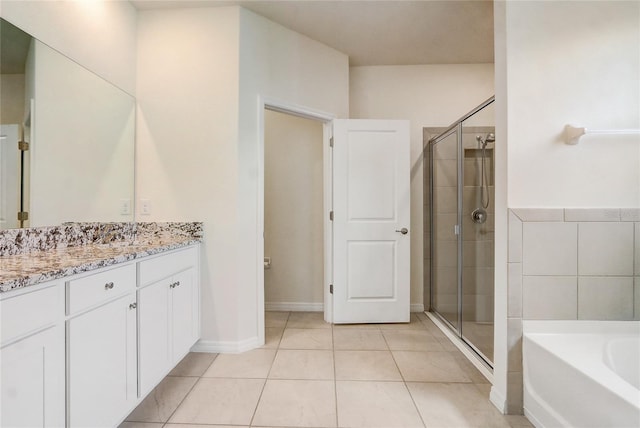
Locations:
(371, 197)
(9, 177)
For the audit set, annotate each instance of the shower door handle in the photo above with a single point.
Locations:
(404, 231)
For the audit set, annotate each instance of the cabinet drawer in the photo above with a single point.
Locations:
(93, 289)
(164, 266)
(29, 312)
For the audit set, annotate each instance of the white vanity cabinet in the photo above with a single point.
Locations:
(32, 379)
(168, 313)
(101, 347)
(84, 350)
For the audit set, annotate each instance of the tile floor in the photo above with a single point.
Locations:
(312, 374)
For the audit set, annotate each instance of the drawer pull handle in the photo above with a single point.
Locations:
(133, 305)
(108, 286)
(174, 284)
(177, 283)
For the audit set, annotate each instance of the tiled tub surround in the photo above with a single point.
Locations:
(35, 255)
(569, 264)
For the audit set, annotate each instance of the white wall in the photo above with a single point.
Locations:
(100, 35)
(293, 212)
(284, 65)
(428, 96)
(558, 63)
(187, 133)
(573, 63)
(200, 74)
(12, 107)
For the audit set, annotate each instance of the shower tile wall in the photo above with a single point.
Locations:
(569, 264)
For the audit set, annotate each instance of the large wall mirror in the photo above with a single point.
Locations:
(66, 139)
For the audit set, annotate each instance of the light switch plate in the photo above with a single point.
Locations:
(125, 206)
(145, 207)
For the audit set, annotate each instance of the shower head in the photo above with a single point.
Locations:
(489, 138)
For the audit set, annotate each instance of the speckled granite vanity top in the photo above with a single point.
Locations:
(32, 256)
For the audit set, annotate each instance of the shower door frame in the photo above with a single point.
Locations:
(457, 128)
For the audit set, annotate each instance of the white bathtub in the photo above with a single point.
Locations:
(582, 373)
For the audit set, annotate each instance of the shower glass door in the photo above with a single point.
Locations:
(462, 228)
(444, 231)
(477, 295)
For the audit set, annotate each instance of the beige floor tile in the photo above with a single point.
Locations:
(366, 365)
(469, 369)
(357, 326)
(518, 421)
(429, 367)
(203, 426)
(193, 364)
(272, 336)
(220, 401)
(446, 344)
(307, 338)
(302, 364)
(411, 340)
(375, 404)
(454, 406)
(141, 425)
(354, 339)
(250, 364)
(297, 403)
(413, 324)
(307, 320)
(484, 388)
(433, 329)
(275, 319)
(162, 400)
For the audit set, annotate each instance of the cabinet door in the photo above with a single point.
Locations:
(183, 313)
(32, 381)
(153, 318)
(102, 364)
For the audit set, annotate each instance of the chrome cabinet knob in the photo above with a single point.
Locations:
(108, 286)
(404, 231)
(133, 305)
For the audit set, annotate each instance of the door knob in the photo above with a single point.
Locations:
(404, 231)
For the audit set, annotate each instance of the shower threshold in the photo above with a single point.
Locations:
(472, 354)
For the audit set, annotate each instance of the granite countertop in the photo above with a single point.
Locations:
(23, 270)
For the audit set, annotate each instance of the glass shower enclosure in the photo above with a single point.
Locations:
(460, 173)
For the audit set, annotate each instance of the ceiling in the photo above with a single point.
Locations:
(391, 32)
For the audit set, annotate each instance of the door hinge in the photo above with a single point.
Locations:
(23, 216)
(23, 146)
(331, 142)
(330, 215)
(331, 288)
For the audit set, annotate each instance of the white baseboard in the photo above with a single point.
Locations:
(498, 400)
(316, 307)
(417, 307)
(226, 347)
(294, 306)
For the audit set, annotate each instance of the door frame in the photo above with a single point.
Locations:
(269, 103)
